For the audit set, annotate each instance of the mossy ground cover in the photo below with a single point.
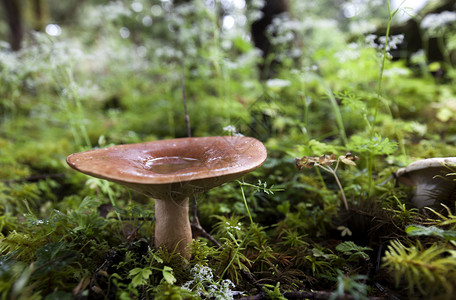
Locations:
(280, 232)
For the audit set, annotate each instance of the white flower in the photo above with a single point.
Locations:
(393, 41)
(396, 72)
(233, 228)
(434, 21)
(370, 40)
(187, 285)
(277, 83)
(362, 27)
(347, 55)
(231, 130)
(201, 273)
(222, 290)
(204, 285)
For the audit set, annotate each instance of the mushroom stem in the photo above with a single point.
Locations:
(172, 226)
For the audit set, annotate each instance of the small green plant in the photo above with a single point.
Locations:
(261, 186)
(231, 260)
(402, 214)
(425, 271)
(353, 251)
(273, 292)
(350, 285)
(325, 162)
(140, 276)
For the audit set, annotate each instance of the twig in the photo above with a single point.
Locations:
(386, 291)
(196, 228)
(195, 212)
(249, 277)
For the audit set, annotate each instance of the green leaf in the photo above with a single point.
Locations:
(157, 258)
(351, 100)
(284, 207)
(419, 230)
(168, 275)
(140, 276)
(350, 246)
(134, 271)
(377, 145)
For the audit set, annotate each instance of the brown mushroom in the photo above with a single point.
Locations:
(170, 171)
(429, 177)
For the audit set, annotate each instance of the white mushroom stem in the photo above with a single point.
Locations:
(172, 226)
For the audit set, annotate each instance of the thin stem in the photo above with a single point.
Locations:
(382, 68)
(370, 160)
(322, 180)
(245, 203)
(336, 110)
(333, 172)
(342, 194)
(238, 247)
(337, 166)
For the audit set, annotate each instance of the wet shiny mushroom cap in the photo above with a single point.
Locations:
(429, 178)
(175, 168)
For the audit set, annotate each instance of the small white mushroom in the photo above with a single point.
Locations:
(430, 179)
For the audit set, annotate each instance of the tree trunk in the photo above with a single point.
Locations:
(14, 19)
(271, 9)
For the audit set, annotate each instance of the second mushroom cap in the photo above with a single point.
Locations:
(430, 179)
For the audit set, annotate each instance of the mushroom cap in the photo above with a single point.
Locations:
(428, 175)
(175, 168)
(430, 164)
